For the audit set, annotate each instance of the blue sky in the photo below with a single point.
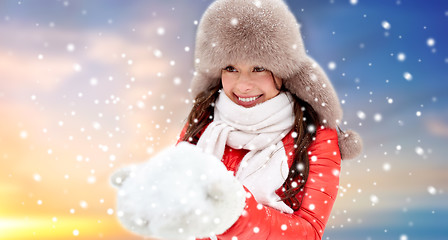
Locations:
(89, 86)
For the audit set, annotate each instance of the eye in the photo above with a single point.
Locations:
(230, 69)
(259, 69)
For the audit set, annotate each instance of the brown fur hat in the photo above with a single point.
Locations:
(266, 33)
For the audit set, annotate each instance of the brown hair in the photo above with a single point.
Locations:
(305, 123)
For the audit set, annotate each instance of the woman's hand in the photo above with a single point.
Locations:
(180, 193)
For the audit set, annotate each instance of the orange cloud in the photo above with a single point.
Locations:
(24, 70)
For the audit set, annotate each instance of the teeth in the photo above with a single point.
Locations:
(247, 99)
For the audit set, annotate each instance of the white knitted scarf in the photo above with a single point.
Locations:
(259, 129)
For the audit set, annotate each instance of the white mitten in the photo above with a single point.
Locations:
(182, 193)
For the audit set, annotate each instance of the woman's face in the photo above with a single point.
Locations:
(248, 85)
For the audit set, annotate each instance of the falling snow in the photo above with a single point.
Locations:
(361, 115)
(332, 65)
(430, 42)
(419, 151)
(70, 47)
(387, 167)
(37, 177)
(76, 105)
(432, 190)
(378, 117)
(401, 57)
(407, 76)
(386, 25)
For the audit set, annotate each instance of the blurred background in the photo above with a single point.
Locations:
(87, 87)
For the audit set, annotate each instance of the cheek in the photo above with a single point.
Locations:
(269, 87)
(227, 84)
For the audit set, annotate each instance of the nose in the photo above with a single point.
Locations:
(244, 83)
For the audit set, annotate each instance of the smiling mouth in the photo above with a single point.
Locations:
(250, 99)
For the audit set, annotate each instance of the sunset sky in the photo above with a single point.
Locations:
(87, 87)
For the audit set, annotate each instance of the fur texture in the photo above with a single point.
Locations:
(350, 144)
(263, 33)
(182, 193)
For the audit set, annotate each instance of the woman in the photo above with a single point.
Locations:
(253, 51)
(269, 112)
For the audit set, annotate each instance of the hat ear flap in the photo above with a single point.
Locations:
(350, 144)
(311, 84)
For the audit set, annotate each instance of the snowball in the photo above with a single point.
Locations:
(200, 181)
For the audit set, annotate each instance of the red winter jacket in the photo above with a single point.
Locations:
(307, 223)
